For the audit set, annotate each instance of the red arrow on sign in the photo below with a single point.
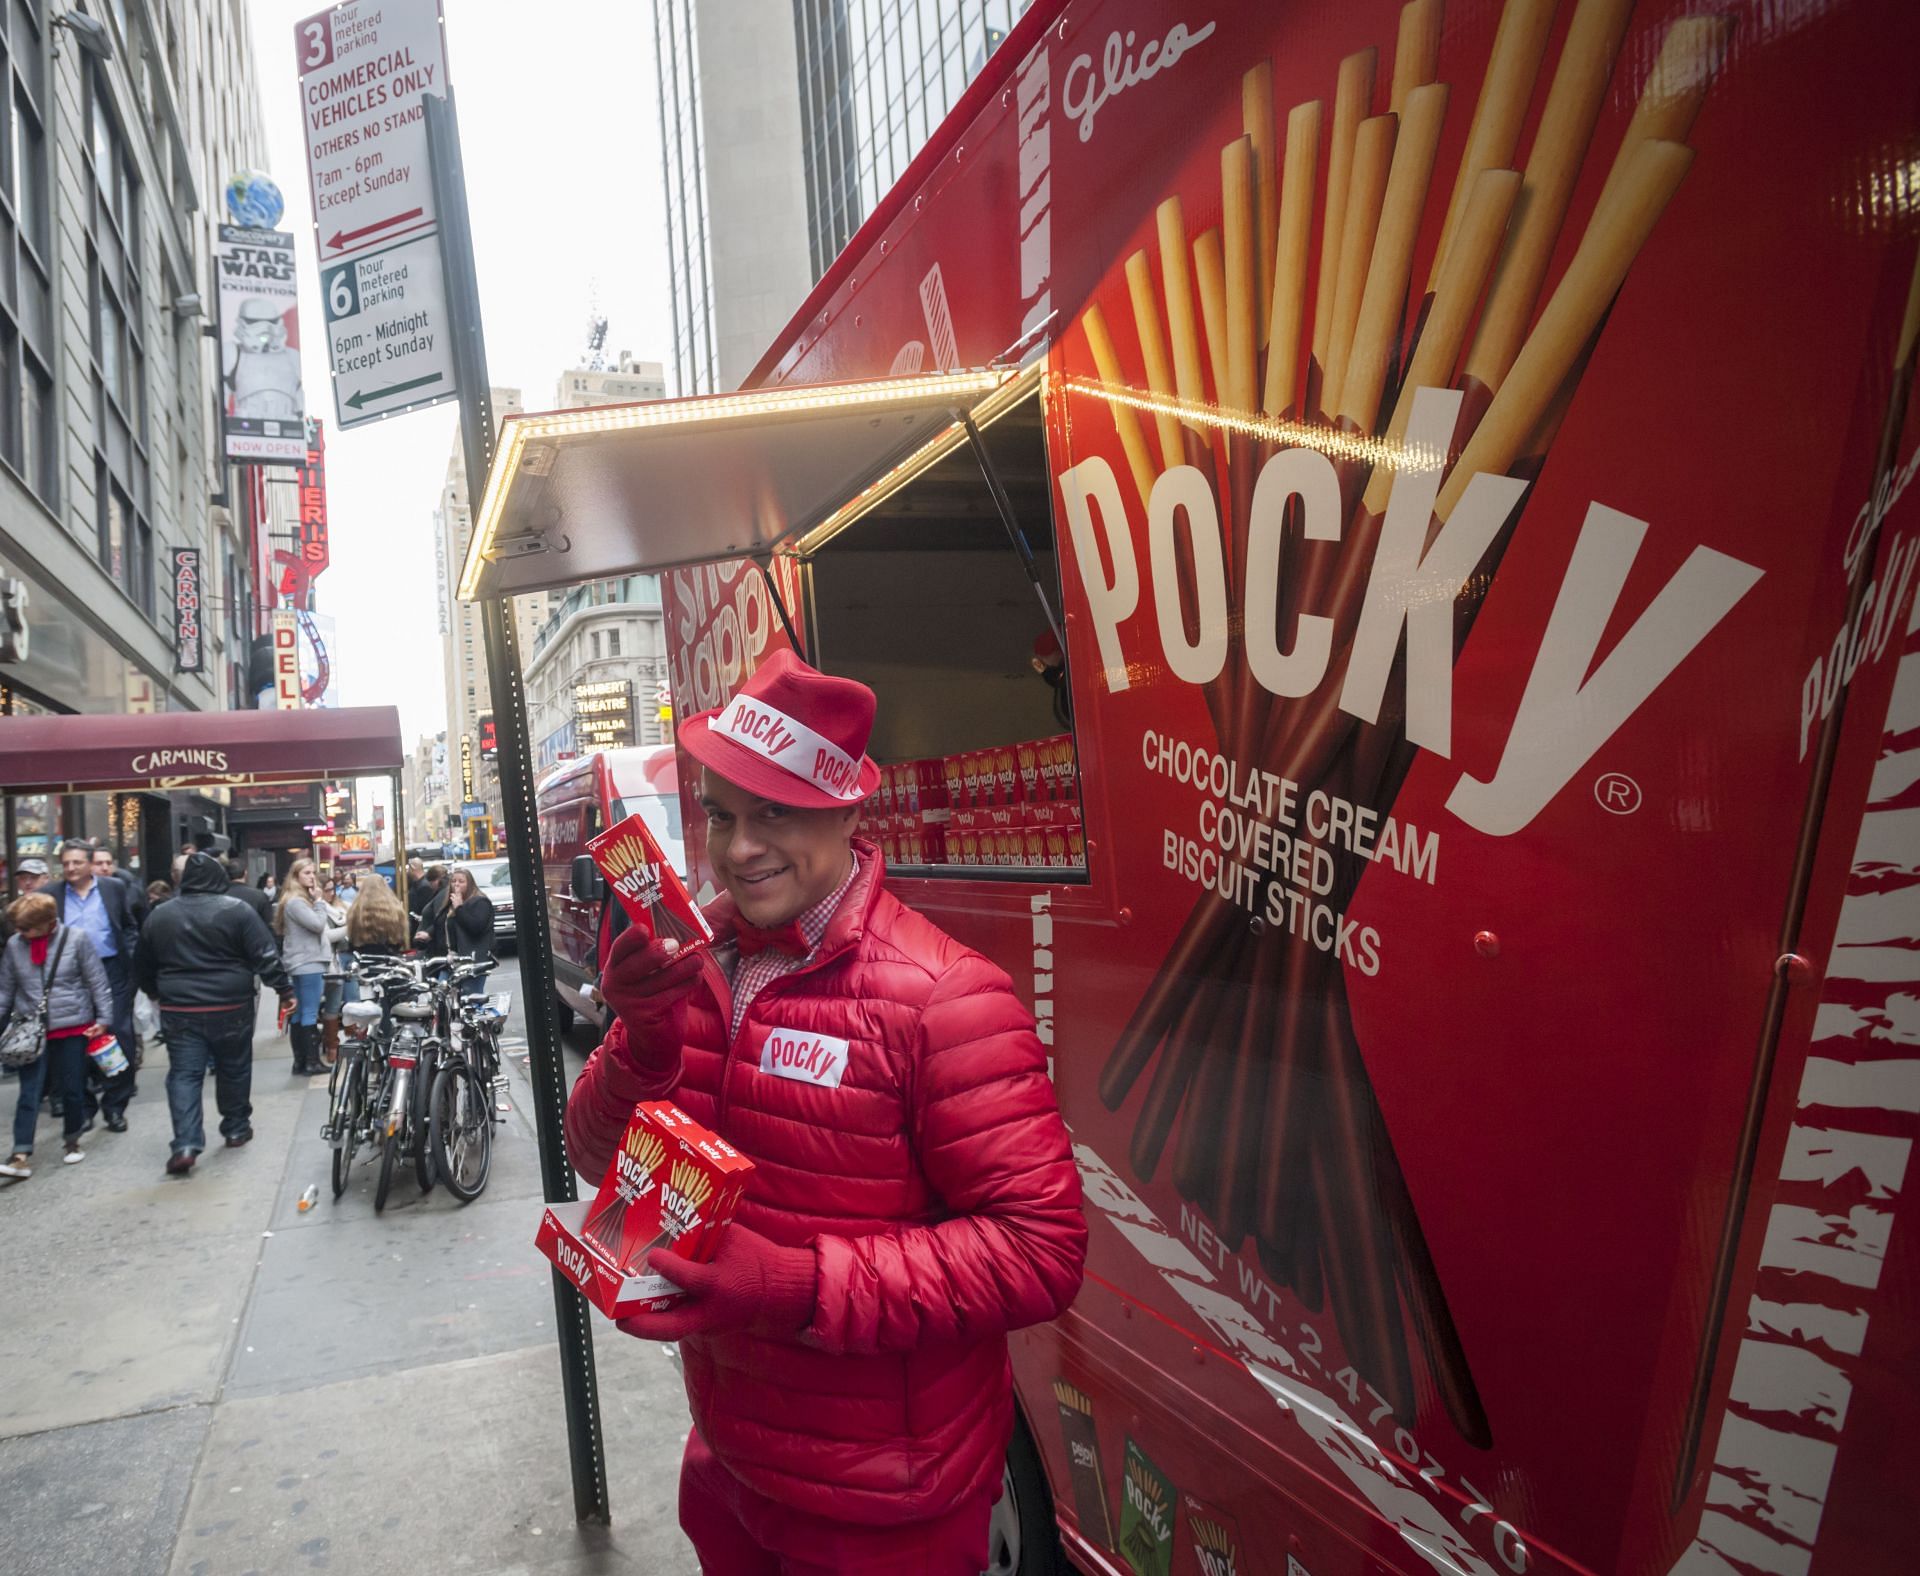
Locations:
(343, 237)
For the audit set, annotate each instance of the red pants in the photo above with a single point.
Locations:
(737, 1532)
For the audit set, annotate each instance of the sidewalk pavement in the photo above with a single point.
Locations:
(202, 1380)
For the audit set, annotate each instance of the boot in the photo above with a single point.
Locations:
(303, 1037)
(329, 1042)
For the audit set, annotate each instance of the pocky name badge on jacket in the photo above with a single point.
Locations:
(819, 1059)
(647, 885)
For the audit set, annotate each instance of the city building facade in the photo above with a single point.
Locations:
(463, 652)
(875, 78)
(779, 137)
(596, 668)
(118, 149)
(735, 199)
(423, 785)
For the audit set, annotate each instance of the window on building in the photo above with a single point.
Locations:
(594, 643)
(613, 642)
(26, 257)
(123, 472)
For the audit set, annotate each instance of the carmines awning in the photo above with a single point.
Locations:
(195, 749)
(632, 489)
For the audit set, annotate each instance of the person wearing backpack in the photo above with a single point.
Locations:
(48, 963)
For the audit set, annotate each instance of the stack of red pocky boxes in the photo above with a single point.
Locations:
(672, 1185)
(1014, 804)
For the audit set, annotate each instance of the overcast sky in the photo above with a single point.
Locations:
(560, 130)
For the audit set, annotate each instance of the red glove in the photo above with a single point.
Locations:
(647, 983)
(752, 1284)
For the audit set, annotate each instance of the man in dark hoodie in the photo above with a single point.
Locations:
(200, 955)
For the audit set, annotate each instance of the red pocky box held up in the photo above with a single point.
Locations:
(647, 885)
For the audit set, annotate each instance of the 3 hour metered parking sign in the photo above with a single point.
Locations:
(365, 66)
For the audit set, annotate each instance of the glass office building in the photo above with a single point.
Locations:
(748, 114)
(876, 76)
(675, 45)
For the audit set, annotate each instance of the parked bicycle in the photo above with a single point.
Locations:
(465, 1098)
(418, 1077)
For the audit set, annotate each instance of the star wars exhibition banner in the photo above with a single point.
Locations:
(263, 409)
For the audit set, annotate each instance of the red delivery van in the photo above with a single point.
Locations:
(576, 801)
(1464, 853)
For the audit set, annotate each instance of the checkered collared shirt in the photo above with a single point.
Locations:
(751, 975)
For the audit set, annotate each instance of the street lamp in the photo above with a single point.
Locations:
(90, 33)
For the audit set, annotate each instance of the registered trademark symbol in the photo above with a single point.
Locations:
(1616, 793)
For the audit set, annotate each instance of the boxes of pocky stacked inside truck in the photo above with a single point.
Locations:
(672, 1185)
(931, 771)
(970, 771)
(1026, 764)
(647, 885)
(1006, 774)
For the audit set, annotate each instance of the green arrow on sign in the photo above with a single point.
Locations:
(366, 395)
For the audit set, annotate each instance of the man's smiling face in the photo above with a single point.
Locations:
(775, 861)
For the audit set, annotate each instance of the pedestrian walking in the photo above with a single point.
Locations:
(419, 894)
(107, 868)
(309, 931)
(29, 876)
(430, 927)
(201, 956)
(469, 925)
(377, 922)
(157, 893)
(103, 908)
(248, 893)
(915, 1196)
(45, 960)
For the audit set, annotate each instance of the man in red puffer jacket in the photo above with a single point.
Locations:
(914, 1196)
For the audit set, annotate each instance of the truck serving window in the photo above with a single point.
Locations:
(926, 599)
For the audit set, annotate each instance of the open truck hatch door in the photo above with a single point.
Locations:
(637, 489)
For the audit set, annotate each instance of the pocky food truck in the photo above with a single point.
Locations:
(1379, 532)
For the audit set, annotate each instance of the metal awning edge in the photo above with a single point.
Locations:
(984, 394)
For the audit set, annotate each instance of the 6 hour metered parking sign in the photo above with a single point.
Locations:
(365, 66)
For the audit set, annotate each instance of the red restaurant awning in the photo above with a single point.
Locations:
(194, 749)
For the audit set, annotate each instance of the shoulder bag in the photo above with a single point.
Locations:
(25, 1039)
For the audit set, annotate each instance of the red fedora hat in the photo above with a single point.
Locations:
(793, 735)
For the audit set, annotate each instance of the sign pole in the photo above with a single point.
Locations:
(514, 764)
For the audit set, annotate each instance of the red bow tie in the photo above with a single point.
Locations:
(786, 938)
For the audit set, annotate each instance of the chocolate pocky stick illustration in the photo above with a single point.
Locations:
(1246, 1028)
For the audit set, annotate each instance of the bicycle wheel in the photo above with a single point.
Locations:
(346, 1120)
(461, 1127)
(385, 1184)
(416, 1127)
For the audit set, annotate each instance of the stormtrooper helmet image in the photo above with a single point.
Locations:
(260, 326)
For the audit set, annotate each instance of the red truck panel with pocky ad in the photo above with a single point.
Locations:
(1471, 920)
(647, 885)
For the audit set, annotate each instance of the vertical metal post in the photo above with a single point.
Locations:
(397, 830)
(514, 768)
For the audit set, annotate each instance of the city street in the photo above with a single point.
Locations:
(203, 1380)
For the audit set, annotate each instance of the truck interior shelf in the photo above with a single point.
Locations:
(924, 598)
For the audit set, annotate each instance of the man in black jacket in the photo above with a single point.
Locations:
(248, 893)
(103, 908)
(199, 957)
(430, 922)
